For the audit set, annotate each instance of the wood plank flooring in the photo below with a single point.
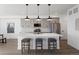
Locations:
(10, 48)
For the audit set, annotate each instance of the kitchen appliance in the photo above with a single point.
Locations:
(37, 25)
(37, 31)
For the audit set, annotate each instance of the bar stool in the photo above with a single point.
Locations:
(2, 38)
(39, 44)
(52, 43)
(25, 45)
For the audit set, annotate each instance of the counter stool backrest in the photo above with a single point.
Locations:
(51, 40)
(39, 39)
(26, 40)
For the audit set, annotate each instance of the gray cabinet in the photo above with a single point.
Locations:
(54, 25)
(56, 28)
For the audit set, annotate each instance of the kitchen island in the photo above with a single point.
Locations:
(33, 36)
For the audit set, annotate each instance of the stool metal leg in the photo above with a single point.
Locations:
(22, 50)
(29, 48)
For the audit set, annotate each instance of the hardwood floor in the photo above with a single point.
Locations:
(10, 48)
(66, 49)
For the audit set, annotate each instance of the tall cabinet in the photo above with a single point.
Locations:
(56, 27)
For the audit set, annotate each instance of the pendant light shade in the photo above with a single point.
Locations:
(38, 19)
(26, 19)
(49, 17)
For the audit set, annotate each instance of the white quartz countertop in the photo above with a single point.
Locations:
(41, 34)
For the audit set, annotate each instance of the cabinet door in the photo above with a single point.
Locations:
(56, 28)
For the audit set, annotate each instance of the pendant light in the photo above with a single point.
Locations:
(27, 19)
(38, 18)
(49, 18)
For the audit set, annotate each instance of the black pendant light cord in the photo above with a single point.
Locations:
(27, 12)
(38, 11)
(49, 11)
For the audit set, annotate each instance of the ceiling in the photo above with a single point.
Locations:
(61, 8)
(21, 9)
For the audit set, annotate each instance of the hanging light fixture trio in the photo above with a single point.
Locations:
(38, 18)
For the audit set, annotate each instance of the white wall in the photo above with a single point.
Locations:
(3, 27)
(73, 34)
(63, 22)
